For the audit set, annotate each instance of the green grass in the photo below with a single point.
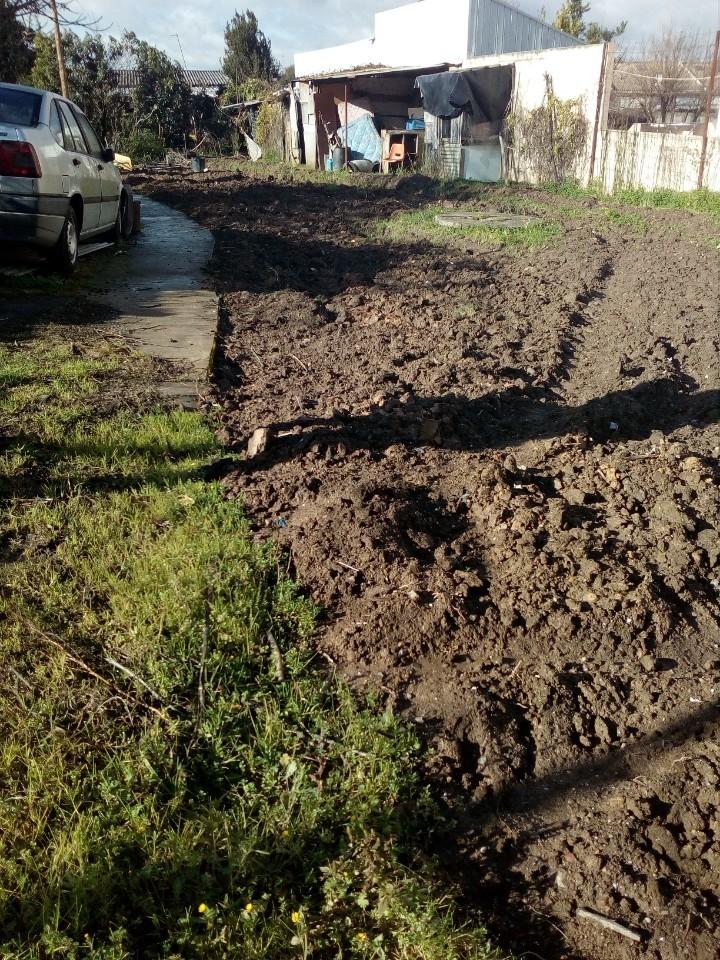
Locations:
(618, 218)
(169, 788)
(421, 225)
(699, 201)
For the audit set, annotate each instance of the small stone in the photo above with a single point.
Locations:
(429, 429)
(657, 664)
(257, 444)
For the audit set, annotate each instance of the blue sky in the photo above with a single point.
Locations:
(296, 25)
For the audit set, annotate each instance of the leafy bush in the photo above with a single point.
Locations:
(143, 144)
(270, 132)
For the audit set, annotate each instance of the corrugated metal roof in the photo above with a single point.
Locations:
(128, 79)
(496, 27)
(206, 78)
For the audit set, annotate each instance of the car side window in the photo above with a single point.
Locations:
(77, 144)
(91, 138)
(56, 127)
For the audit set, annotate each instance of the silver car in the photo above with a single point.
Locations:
(58, 184)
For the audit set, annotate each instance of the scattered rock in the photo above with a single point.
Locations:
(258, 442)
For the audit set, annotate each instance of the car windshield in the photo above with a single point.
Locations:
(19, 107)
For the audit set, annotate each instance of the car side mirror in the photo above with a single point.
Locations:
(108, 155)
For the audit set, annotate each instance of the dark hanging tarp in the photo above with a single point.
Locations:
(485, 93)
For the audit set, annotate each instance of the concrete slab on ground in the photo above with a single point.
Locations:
(497, 221)
(157, 288)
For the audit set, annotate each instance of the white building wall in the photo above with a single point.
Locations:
(423, 33)
(332, 59)
(575, 73)
(427, 32)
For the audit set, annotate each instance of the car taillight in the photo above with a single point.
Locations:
(18, 160)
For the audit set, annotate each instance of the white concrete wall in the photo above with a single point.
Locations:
(423, 33)
(331, 59)
(656, 161)
(575, 73)
(417, 34)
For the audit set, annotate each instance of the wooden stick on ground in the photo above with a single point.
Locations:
(202, 673)
(608, 924)
(73, 658)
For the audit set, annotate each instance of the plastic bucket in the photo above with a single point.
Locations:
(198, 164)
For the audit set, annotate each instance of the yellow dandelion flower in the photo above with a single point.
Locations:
(362, 937)
(249, 908)
(202, 908)
(296, 916)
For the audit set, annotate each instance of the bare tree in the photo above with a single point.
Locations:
(670, 77)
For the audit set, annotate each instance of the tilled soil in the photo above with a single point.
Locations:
(497, 471)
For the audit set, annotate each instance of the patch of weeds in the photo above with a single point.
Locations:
(464, 310)
(571, 189)
(35, 282)
(699, 201)
(421, 224)
(179, 778)
(633, 221)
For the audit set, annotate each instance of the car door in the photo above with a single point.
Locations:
(109, 177)
(82, 169)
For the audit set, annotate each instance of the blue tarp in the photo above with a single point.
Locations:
(363, 140)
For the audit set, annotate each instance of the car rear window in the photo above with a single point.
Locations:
(19, 107)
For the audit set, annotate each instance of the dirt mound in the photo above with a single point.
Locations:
(498, 473)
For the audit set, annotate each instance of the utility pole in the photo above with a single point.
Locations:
(182, 54)
(64, 88)
(708, 108)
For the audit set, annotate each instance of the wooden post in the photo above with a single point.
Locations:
(64, 89)
(347, 151)
(708, 108)
(598, 111)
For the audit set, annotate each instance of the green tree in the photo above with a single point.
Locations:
(15, 45)
(161, 100)
(45, 73)
(248, 52)
(91, 66)
(570, 18)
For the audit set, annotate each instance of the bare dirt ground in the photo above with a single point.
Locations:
(497, 470)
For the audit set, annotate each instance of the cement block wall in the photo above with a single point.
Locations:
(575, 73)
(656, 161)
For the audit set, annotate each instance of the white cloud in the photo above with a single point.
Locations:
(298, 25)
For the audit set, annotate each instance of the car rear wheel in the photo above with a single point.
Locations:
(65, 254)
(115, 235)
(128, 225)
(122, 230)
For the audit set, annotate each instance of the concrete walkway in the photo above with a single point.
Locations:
(157, 287)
